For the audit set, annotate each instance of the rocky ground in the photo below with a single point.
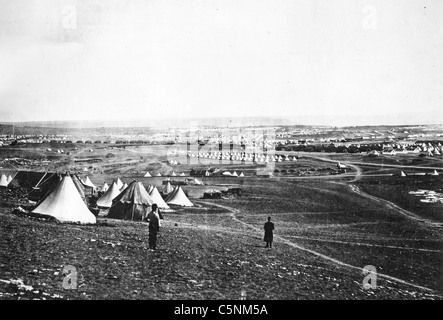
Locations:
(194, 261)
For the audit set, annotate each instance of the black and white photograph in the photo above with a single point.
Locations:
(237, 152)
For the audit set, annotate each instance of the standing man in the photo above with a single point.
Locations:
(153, 220)
(269, 235)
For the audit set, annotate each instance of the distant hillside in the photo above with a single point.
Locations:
(158, 123)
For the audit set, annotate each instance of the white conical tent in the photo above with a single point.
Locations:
(402, 174)
(241, 175)
(105, 187)
(173, 174)
(198, 182)
(168, 188)
(159, 174)
(179, 198)
(235, 174)
(105, 200)
(435, 173)
(182, 174)
(89, 183)
(3, 181)
(157, 198)
(65, 204)
(143, 190)
(119, 183)
(124, 186)
(147, 175)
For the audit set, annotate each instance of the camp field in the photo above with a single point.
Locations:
(327, 230)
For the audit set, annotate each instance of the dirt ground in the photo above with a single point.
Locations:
(195, 260)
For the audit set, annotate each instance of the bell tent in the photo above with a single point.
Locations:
(105, 200)
(87, 182)
(133, 203)
(157, 198)
(179, 198)
(119, 183)
(105, 187)
(168, 188)
(65, 204)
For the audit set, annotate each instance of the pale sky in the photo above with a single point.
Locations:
(115, 59)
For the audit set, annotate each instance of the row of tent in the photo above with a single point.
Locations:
(234, 174)
(122, 185)
(173, 174)
(65, 202)
(173, 195)
(433, 173)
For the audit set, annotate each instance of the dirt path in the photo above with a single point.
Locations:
(254, 234)
(365, 244)
(387, 203)
(358, 171)
(318, 254)
(396, 208)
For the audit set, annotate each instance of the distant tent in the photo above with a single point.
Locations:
(105, 187)
(435, 173)
(235, 174)
(168, 188)
(119, 183)
(179, 198)
(173, 174)
(87, 182)
(241, 175)
(182, 174)
(341, 166)
(198, 182)
(133, 203)
(227, 173)
(159, 174)
(147, 175)
(402, 174)
(105, 200)
(124, 186)
(157, 198)
(65, 204)
(3, 181)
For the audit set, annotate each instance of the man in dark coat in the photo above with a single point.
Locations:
(269, 236)
(153, 220)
